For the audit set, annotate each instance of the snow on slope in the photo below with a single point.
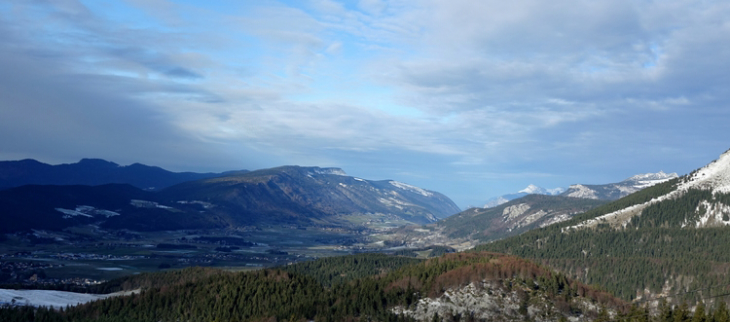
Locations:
(530, 190)
(55, 299)
(533, 189)
(621, 189)
(641, 181)
(335, 171)
(581, 191)
(714, 176)
(411, 188)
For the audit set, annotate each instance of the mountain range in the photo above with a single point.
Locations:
(530, 190)
(610, 191)
(93, 172)
(613, 191)
(292, 195)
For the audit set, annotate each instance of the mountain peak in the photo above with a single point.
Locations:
(533, 189)
(714, 176)
(661, 175)
(97, 163)
(334, 171)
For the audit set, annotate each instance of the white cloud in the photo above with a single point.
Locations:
(492, 83)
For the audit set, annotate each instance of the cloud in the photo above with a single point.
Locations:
(540, 89)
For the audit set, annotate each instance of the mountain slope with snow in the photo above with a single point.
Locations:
(614, 191)
(530, 190)
(705, 190)
(660, 240)
(611, 191)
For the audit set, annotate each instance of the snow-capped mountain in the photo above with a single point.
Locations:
(705, 191)
(530, 190)
(613, 191)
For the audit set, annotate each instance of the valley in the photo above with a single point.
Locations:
(71, 260)
(389, 238)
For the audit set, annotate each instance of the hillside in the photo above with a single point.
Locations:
(287, 195)
(476, 225)
(475, 286)
(665, 239)
(514, 217)
(112, 206)
(92, 172)
(303, 195)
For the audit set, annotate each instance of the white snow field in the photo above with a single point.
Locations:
(55, 299)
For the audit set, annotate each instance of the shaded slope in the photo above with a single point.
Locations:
(111, 206)
(286, 195)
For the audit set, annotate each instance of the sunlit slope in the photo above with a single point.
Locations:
(664, 239)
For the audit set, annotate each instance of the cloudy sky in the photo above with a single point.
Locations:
(470, 98)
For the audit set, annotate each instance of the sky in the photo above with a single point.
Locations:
(473, 99)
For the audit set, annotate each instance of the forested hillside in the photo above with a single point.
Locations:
(524, 289)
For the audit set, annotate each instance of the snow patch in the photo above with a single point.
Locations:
(535, 190)
(86, 211)
(55, 299)
(411, 188)
(393, 202)
(714, 176)
(555, 220)
(581, 191)
(334, 171)
(713, 214)
(147, 204)
(496, 202)
(652, 177)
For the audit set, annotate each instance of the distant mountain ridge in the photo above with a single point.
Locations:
(92, 172)
(611, 191)
(303, 196)
(294, 191)
(530, 190)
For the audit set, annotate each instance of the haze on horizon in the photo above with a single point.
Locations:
(471, 99)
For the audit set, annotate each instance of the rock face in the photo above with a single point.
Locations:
(514, 217)
(496, 287)
(492, 301)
